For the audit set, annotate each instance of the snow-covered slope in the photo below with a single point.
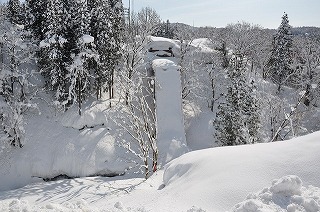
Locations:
(71, 145)
(211, 180)
(221, 177)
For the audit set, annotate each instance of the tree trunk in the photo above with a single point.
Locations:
(146, 168)
(79, 96)
(155, 161)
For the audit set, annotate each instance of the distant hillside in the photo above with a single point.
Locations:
(314, 31)
(296, 31)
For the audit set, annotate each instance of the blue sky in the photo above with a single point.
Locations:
(219, 13)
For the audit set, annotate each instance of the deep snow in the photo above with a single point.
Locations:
(70, 144)
(170, 125)
(217, 179)
(283, 176)
(285, 194)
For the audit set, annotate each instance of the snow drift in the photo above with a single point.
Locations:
(285, 194)
(221, 177)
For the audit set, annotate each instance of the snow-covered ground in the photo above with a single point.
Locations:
(237, 178)
(69, 144)
(280, 176)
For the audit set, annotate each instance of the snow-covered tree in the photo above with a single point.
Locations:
(137, 116)
(107, 28)
(15, 88)
(187, 58)
(280, 68)
(52, 60)
(14, 11)
(137, 119)
(307, 59)
(166, 30)
(136, 38)
(237, 120)
(36, 17)
(80, 42)
(147, 20)
(79, 73)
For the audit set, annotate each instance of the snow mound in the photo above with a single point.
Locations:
(55, 146)
(289, 185)
(92, 115)
(285, 194)
(87, 39)
(164, 64)
(227, 174)
(160, 44)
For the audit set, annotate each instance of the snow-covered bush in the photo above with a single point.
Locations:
(16, 89)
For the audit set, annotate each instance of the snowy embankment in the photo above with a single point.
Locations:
(211, 180)
(221, 177)
(67, 145)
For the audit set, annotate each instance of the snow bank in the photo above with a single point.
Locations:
(285, 194)
(92, 115)
(289, 185)
(56, 146)
(221, 177)
(169, 115)
(217, 179)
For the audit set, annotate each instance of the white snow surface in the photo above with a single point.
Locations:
(87, 38)
(232, 172)
(55, 145)
(170, 125)
(160, 44)
(217, 179)
(204, 44)
(93, 115)
(285, 194)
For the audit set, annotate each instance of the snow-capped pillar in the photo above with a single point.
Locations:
(171, 139)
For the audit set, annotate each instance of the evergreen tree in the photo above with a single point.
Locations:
(165, 30)
(107, 28)
(14, 11)
(100, 29)
(52, 62)
(36, 17)
(115, 42)
(79, 70)
(237, 119)
(281, 59)
(80, 43)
